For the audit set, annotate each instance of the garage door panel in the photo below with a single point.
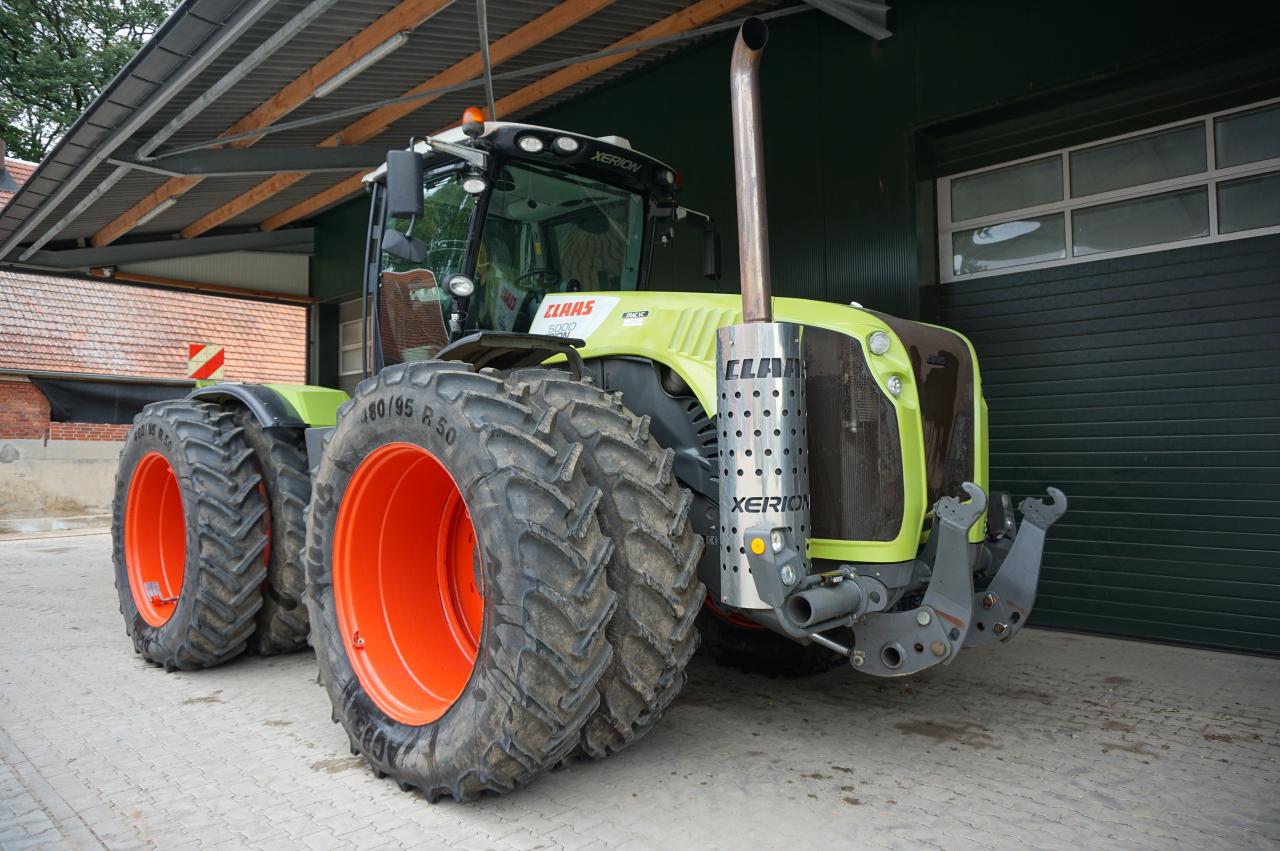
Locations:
(1190, 600)
(1166, 350)
(1188, 504)
(1198, 524)
(1119, 318)
(1241, 356)
(1154, 430)
(1078, 617)
(1201, 444)
(1083, 397)
(1001, 348)
(1148, 389)
(1189, 611)
(1154, 572)
(1138, 415)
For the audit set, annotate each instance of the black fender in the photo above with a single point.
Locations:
(268, 406)
(497, 350)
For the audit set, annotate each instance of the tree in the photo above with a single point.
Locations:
(57, 55)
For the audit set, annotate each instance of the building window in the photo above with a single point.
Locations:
(1216, 177)
(350, 363)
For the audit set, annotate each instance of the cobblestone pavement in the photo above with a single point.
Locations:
(1056, 740)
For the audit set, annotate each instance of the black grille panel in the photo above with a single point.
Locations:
(944, 379)
(855, 477)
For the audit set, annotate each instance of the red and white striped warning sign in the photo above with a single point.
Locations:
(205, 360)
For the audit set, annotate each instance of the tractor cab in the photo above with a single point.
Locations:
(473, 228)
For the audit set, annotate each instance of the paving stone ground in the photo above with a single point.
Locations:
(1054, 741)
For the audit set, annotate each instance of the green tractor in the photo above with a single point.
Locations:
(504, 546)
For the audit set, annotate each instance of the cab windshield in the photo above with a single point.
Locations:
(551, 232)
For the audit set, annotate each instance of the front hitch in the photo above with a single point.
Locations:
(1002, 608)
(895, 644)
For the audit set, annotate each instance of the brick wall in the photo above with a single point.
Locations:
(87, 431)
(24, 415)
(24, 412)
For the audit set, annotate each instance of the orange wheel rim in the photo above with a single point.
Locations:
(155, 539)
(407, 591)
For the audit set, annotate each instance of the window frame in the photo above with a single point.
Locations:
(1209, 178)
(344, 347)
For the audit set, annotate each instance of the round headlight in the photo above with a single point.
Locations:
(474, 184)
(566, 145)
(460, 286)
(530, 144)
(878, 343)
(895, 385)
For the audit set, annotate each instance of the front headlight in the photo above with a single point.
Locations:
(895, 385)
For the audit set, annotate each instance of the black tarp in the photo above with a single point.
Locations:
(75, 401)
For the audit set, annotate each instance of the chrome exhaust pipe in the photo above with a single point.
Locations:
(748, 167)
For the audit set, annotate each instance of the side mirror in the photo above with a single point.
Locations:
(404, 184)
(711, 254)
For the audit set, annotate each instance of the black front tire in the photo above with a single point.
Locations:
(655, 558)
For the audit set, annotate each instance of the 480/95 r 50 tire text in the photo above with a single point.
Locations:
(456, 581)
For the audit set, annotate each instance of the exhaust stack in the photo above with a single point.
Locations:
(763, 443)
(748, 167)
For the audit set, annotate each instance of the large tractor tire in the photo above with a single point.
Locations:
(189, 534)
(655, 557)
(281, 461)
(456, 581)
(735, 642)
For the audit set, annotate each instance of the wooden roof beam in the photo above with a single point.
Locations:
(687, 19)
(369, 126)
(408, 15)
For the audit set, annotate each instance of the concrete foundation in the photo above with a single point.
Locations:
(61, 478)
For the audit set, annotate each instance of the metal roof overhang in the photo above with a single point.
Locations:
(242, 119)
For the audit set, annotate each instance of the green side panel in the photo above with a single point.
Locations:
(680, 331)
(1146, 389)
(316, 406)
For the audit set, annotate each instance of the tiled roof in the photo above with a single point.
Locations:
(19, 170)
(107, 328)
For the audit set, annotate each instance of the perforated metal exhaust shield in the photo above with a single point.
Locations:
(764, 458)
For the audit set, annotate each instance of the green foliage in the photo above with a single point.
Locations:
(56, 55)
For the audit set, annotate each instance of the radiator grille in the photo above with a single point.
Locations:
(943, 372)
(856, 470)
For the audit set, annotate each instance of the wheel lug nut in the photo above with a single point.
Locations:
(1000, 628)
(923, 617)
(988, 601)
(938, 648)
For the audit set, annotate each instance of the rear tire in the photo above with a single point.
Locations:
(281, 461)
(655, 557)
(512, 676)
(189, 532)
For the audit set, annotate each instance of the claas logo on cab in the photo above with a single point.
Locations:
(561, 309)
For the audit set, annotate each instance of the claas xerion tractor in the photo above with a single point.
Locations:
(504, 546)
